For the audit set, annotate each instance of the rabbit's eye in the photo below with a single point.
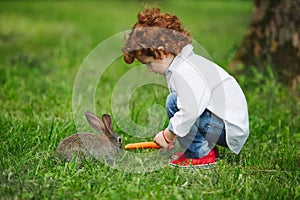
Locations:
(119, 140)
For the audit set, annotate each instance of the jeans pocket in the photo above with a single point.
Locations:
(214, 132)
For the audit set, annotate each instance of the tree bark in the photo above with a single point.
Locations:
(273, 39)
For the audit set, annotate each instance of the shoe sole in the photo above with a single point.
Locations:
(175, 157)
(204, 166)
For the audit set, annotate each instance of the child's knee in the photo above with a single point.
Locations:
(171, 98)
(171, 104)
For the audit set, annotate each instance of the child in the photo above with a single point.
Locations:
(206, 106)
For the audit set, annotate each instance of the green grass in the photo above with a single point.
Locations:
(42, 46)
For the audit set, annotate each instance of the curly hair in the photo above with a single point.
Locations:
(155, 32)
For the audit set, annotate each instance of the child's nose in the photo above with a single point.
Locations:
(149, 68)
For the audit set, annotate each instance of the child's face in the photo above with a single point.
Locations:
(156, 66)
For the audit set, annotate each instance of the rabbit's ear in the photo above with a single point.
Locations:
(107, 121)
(95, 122)
(111, 134)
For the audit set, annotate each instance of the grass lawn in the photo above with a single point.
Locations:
(43, 45)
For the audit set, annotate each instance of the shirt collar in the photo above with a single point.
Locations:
(185, 52)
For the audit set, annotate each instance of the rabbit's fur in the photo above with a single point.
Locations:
(94, 146)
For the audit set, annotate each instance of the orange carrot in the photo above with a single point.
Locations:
(142, 145)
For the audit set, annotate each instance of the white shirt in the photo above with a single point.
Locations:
(201, 84)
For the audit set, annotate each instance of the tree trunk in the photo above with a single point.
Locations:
(273, 39)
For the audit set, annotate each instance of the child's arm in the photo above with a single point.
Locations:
(165, 139)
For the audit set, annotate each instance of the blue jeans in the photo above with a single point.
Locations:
(207, 131)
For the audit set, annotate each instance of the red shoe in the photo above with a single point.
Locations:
(205, 161)
(179, 154)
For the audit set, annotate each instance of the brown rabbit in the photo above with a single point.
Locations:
(100, 147)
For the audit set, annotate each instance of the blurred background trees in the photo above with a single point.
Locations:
(273, 39)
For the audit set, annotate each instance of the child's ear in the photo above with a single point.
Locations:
(161, 52)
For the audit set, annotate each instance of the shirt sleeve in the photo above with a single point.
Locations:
(193, 97)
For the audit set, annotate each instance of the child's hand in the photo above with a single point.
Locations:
(165, 139)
